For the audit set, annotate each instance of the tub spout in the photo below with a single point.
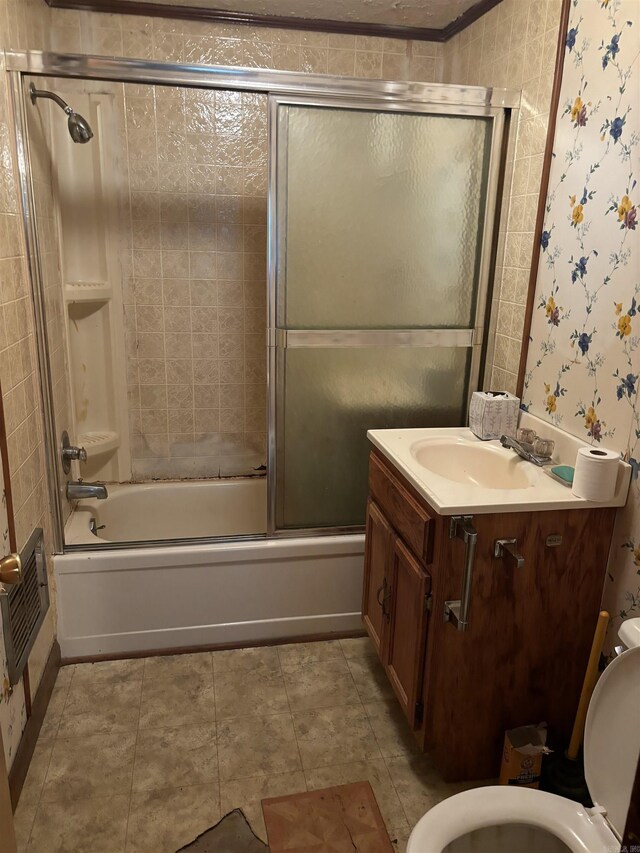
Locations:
(78, 491)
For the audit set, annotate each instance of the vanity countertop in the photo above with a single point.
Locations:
(459, 473)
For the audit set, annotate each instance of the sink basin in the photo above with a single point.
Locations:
(458, 474)
(474, 464)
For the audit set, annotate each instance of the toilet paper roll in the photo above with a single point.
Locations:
(596, 474)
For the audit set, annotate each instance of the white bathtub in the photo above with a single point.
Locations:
(148, 598)
(172, 510)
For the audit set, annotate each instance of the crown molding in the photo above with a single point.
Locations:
(223, 16)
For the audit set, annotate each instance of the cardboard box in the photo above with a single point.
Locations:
(522, 756)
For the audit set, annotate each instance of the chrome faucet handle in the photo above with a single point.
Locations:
(523, 451)
(78, 453)
(68, 453)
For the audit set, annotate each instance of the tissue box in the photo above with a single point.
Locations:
(493, 413)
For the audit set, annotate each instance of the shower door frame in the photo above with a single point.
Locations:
(281, 87)
(279, 339)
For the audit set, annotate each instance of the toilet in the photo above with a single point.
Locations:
(501, 819)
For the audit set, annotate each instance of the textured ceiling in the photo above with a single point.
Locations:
(408, 13)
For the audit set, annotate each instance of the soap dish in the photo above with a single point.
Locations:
(562, 473)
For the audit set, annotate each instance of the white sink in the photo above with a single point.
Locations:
(457, 473)
(463, 461)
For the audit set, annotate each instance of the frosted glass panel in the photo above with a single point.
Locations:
(332, 397)
(383, 218)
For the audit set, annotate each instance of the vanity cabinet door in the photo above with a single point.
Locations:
(407, 631)
(376, 589)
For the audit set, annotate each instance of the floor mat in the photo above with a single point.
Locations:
(341, 819)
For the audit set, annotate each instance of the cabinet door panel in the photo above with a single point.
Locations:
(408, 517)
(376, 587)
(407, 633)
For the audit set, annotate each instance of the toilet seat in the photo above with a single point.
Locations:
(582, 830)
(611, 749)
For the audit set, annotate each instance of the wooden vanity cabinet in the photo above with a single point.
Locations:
(523, 656)
(397, 585)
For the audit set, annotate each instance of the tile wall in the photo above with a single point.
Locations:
(513, 46)
(195, 292)
(263, 47)
(196, 301)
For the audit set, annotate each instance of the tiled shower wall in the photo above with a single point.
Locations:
(195, 305)
(513, 46)
(195, 281)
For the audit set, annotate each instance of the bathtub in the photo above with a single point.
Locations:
(172, 510)
(121, 600)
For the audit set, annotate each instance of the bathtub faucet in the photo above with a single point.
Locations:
(78, 491)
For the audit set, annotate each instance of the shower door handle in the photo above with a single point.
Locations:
(11, 569)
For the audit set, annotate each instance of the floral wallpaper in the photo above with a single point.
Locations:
(583, 364)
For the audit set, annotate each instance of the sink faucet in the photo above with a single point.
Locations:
(521, 450)
(78, 491)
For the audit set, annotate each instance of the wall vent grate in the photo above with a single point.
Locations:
(25, 606)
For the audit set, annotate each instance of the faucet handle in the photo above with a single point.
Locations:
(78, 453)
(544, 446)
(68, 453)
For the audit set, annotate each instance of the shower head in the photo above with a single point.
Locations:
(79, 127)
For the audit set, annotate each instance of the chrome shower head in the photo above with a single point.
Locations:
(79, 127)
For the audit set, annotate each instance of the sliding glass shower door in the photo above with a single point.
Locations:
(379, 266)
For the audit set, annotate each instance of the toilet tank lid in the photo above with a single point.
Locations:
(629, 632)
(612, 737)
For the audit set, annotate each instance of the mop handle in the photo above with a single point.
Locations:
(590, 678)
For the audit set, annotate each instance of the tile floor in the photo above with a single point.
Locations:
(140, 756)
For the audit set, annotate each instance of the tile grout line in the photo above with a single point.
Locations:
(385, 761)
(133, 765)
(64, 705)
(293, 725)
(393, 784)
(215, 730)
(54, 740)
(382, 754)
